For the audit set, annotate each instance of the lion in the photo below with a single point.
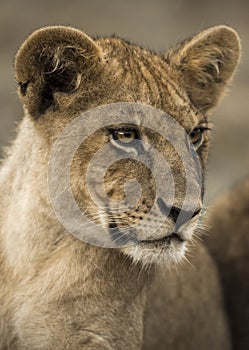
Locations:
(59, 292)
(228, 243)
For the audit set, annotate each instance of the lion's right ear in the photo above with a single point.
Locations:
(206, 63)
(54, 60)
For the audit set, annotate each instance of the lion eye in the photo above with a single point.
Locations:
(125, 136)
(196, 136)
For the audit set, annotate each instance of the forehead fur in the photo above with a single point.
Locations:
(144, 76)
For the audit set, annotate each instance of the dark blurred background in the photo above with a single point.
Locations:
(156, 24)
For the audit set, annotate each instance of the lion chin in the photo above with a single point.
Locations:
(169, 250)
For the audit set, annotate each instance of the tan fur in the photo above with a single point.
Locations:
(58, 292)
(228, 241)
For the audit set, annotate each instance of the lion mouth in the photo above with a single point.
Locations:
(166, 239)
(119, 237)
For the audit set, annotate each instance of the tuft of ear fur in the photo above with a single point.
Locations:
(53, 60)
(207, 63)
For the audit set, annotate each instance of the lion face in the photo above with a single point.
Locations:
(63, 73)
(152, 218)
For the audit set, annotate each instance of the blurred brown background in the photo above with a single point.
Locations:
(157, 24)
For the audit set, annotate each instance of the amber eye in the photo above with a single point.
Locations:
(196, 136)
(126, 137)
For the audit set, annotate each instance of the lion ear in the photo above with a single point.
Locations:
(54, 60)
(207, 63)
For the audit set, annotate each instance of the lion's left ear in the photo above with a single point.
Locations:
(207, 63)
(55, 60)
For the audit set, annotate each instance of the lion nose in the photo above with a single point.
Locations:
(176, 213)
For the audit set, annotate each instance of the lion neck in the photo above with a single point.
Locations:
(32, 233)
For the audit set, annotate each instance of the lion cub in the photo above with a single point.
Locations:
(59, 292)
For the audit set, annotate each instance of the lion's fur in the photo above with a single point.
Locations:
(57, 292)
